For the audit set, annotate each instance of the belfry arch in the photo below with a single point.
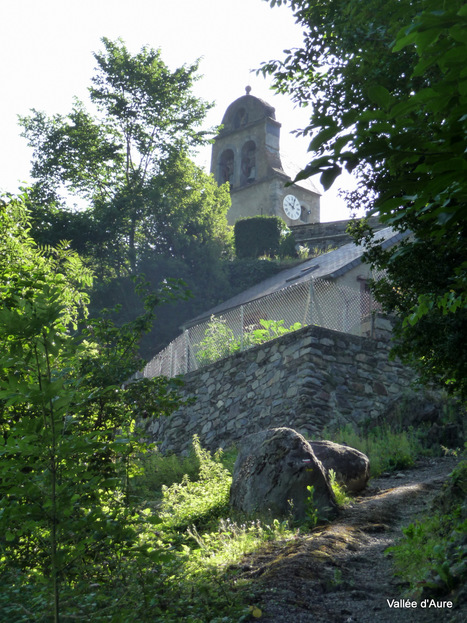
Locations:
(248, 163)
(226, 167)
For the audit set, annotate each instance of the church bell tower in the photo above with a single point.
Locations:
(246, 154)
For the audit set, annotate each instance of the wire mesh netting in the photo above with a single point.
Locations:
(316, 302)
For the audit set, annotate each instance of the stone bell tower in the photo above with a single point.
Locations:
(246, 154)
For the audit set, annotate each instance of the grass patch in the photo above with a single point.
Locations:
(193, 540)
(197, 522)
(200, 501)
(432, 555)
(386, 449)
(156, 470)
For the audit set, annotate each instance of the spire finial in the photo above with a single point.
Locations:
(248, 90)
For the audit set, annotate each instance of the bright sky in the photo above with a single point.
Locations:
(46, 58)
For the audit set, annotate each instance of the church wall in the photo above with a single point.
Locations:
(311, 379)
(265, 198)
(252, 200)
(309, 202)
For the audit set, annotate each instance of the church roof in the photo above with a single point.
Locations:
(246, 110)
(326, 266)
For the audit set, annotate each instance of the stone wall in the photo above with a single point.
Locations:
(325, 236)
(308, 380)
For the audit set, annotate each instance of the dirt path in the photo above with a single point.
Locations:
(339, 573)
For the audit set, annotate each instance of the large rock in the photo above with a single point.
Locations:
(272, 472)
(351, 466)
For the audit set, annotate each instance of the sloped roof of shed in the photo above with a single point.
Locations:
(327, 266)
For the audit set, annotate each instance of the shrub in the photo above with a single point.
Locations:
(342, 499)
(269, 331)
(258, 235)
(287, 247)
(219, 340)
(156, 470)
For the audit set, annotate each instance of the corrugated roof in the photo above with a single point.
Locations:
(327, 266)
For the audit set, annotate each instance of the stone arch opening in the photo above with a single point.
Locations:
(240, 118)
(226, 167)
(248, 167)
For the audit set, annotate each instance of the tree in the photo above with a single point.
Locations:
(66, 430)
(386, 83)
(147, 206)
(188, 214)
(116, 160)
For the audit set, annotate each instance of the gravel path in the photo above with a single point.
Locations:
(339, 573)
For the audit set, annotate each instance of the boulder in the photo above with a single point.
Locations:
(272, 472)
(351, 466)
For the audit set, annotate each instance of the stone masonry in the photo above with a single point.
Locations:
(307, 380)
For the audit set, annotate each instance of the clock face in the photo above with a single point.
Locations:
(292, 207)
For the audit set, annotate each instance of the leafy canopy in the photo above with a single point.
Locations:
(386, 82)
(116, 159)
(144, 206)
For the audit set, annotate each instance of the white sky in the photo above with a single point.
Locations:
(46, 58)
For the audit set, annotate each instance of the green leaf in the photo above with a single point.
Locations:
(380, 96)
(328, 177)
(403, 40)
(426, 38)
(323, 137)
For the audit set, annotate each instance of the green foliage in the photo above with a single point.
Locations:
(432, 555)
(386, 449)
(144, 206)
(129, 164)
(385, 81)
(342, 499)
(430, 340)
(198, 502)
(199, 584)
(312, 515)
(157, 470)
(270, 330)
(258, 236)
(67, 437)
(220, 341)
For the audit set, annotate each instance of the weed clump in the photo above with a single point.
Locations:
(387, 450)
(342, 499)
(432, 555)
(198, 501)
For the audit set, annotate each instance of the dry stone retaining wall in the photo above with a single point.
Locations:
(306, 380)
